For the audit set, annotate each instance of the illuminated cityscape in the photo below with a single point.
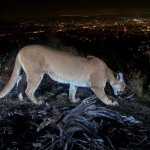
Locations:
(85, 28)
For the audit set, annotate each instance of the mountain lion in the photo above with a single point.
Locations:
(37, 60)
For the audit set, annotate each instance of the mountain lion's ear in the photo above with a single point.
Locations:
(119, 77)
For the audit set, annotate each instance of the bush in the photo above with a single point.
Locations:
(136, 82)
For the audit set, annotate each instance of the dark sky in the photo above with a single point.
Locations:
(29, 8)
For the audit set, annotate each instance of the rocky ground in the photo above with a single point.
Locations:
(26, 126)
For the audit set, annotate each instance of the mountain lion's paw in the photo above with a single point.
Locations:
(75, 100)
(115, 103)
(41, 102)
(20, 97)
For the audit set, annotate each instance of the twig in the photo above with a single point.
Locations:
(110, 143)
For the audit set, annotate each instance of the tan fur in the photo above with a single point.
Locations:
(37, 60)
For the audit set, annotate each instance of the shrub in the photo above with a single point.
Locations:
(72, 50)
(136, 82)
(6, 68)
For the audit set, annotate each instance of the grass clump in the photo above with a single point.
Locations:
(137, 81)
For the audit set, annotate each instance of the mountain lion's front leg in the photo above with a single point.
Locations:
(99, 91)
(72, 94)
(98, 82)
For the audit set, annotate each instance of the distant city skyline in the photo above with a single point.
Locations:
(39, 8)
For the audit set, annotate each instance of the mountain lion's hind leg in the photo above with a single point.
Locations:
(72, 93)
(33, 83)
(20, 84)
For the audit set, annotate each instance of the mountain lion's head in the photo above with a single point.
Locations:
(119, 85)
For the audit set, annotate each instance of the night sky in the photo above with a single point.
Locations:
(39, 8)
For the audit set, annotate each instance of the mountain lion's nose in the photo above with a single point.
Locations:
(119, 92)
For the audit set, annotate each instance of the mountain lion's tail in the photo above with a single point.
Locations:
(9, 86)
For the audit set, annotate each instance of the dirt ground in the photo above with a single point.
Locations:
(18, 127)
